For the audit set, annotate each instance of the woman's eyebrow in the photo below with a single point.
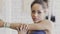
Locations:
(33, 11)
(39, 10)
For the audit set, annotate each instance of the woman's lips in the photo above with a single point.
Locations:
(35, 19)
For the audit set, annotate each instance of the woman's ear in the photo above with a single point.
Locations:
(46, 11)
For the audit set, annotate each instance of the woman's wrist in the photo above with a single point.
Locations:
(7, 24)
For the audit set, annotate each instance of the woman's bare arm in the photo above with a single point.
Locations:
(39, 26)
(47, 26)
(14, 25)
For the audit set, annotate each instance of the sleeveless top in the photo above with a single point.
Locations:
(37, 32)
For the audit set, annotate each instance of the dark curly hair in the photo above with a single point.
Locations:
(39, 2)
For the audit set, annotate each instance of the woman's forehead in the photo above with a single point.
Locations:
(37, 7)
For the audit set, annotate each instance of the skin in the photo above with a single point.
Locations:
(1, 23)
(37, 26)
(37, 13)
(21, 28)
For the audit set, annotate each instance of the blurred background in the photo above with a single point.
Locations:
(20, 11)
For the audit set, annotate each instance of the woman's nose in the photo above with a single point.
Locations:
(35, 15)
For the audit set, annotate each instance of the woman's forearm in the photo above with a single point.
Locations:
(46, 28)
(39, 26)
(36, 27)
(14, 25)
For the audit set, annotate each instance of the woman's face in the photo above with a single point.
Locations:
(38, 13)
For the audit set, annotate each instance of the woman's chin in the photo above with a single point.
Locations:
(36, 21)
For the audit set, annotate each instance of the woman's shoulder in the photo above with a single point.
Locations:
(50, 24)
(47, 22)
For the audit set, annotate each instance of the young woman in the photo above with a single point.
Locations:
(41, 25)
(38, 13)
(39, 9)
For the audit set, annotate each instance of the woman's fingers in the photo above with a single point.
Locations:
(26, 27)
(17, 29)
(23, 27)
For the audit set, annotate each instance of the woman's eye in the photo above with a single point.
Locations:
(39, 12)
(33, 11)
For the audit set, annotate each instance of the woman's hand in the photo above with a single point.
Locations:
(19, 26)
(22, 29)
(1, 23)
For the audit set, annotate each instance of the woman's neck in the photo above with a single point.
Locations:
(40, 21)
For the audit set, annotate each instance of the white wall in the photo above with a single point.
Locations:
(57, 13)
(11, 12)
